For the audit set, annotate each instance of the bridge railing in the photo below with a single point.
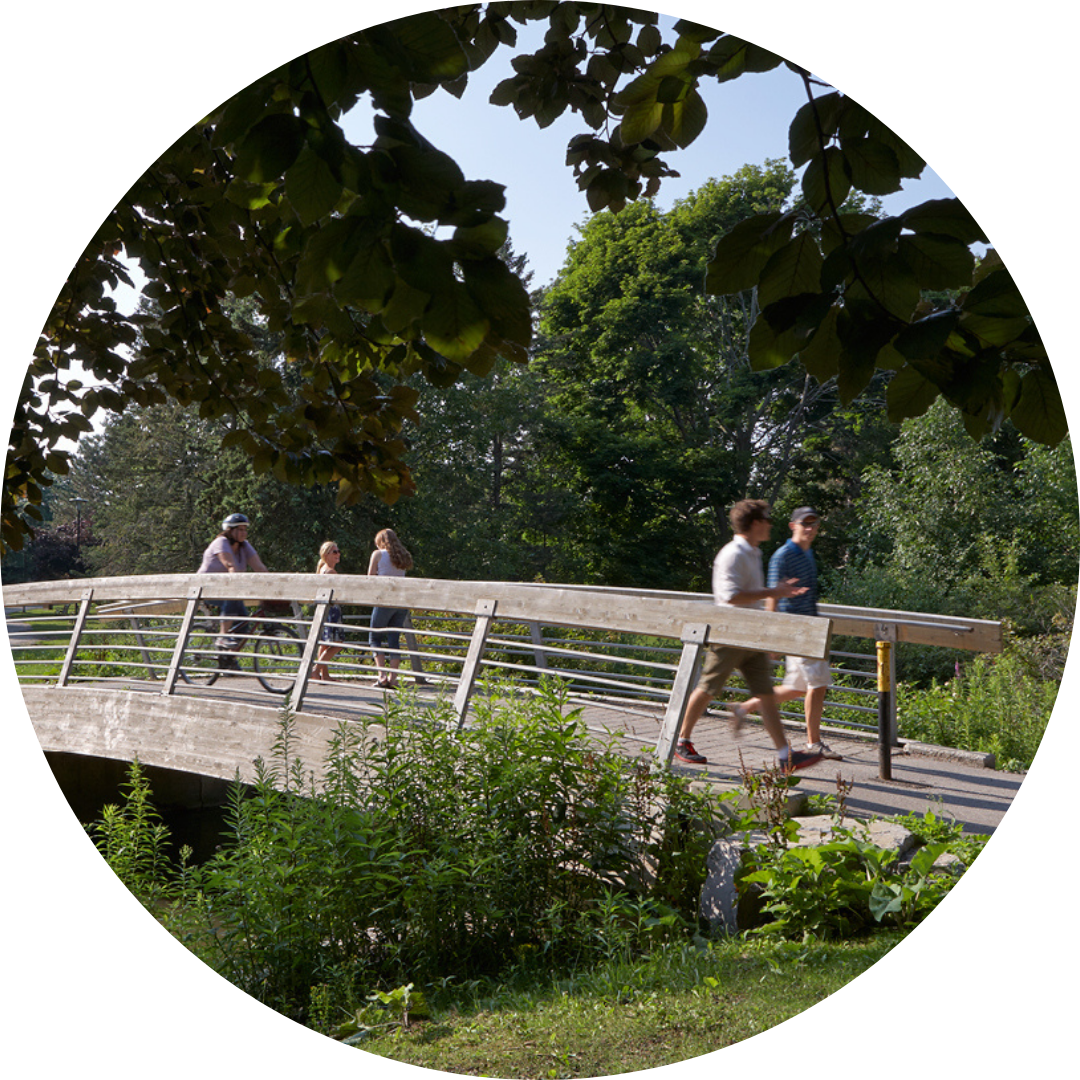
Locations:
(152, 630)
(626, 649)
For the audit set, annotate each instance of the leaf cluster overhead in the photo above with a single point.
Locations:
(374, 263)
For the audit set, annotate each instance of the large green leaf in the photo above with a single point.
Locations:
(769, 348)
(404, 309)
(945, 217)
(423, 44)
(741, 254)
(826, 183)
(872, 166)
(454, 325)
(1039, 413)
(503, 299)
(938, 262)
(640, 120)
(909, 394)
(812, 124)
(369, 277)
(925, 338)
(269, 148)
(311, 187)
(996, 295)
(794, 269)
(821, 356)
(683, 121)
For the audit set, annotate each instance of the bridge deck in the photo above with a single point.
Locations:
(949, 783)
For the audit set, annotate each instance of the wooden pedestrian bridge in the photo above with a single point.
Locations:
(127, 667)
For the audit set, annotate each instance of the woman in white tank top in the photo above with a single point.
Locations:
(389, 559)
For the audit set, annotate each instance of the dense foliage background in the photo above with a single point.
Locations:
(612, 457)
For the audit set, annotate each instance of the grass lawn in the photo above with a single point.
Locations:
(680, 1003)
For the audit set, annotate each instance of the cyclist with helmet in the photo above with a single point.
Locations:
(230, 553)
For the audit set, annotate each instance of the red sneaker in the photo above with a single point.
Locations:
(796, 759)
(684, 751)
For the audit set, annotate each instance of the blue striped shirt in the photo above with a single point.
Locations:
(790, 561)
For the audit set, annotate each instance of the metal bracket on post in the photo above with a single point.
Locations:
(485, 616)
(76, 634)
(694, 637)
(311, 646)
(194, 595)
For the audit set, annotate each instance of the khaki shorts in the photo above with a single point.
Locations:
(721, 660)
(803, 674)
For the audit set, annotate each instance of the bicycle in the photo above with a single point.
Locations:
(275, 655)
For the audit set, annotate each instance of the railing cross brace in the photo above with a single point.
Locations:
(485, 616)
(76, 634)
(694, 637)
(311, 646)
(194, 595)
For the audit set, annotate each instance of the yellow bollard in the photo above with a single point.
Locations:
(884, 685)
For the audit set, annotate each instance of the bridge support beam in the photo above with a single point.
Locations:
(694, 637)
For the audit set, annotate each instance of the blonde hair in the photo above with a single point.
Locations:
(399, 554)
(322, 554)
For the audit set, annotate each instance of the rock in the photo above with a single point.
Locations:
(721, 904)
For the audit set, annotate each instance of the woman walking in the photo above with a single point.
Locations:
(389, 559)
(333, 633)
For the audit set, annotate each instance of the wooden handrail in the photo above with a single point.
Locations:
(649, 616)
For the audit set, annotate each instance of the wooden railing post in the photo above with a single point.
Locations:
(311, 646)
(194, 595)
(694, 637)
(76, 634)
(485, 616)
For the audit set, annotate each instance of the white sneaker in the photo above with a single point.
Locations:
(824, 750)
(739, 717)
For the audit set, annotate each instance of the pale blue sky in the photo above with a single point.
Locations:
(748, 122)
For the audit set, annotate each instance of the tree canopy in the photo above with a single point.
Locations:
(377, 264)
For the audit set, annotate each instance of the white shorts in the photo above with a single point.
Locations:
(803, 674)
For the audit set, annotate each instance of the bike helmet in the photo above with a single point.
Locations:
(233, 520)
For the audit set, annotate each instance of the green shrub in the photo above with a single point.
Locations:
(843, 887)
(425, 852)
(996, 704)
(133, 839)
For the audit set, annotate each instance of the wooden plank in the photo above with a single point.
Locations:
(647, 616)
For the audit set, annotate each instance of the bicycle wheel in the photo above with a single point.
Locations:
(199, 665)
(278, 652)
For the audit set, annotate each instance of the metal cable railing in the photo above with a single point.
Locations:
(138, 643)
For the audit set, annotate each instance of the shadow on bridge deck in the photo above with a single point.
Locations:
(953, 785)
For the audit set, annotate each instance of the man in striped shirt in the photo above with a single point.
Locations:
(808, 679)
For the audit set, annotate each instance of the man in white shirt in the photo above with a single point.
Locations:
(738, 579)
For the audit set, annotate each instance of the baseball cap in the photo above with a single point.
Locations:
(803, 513)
